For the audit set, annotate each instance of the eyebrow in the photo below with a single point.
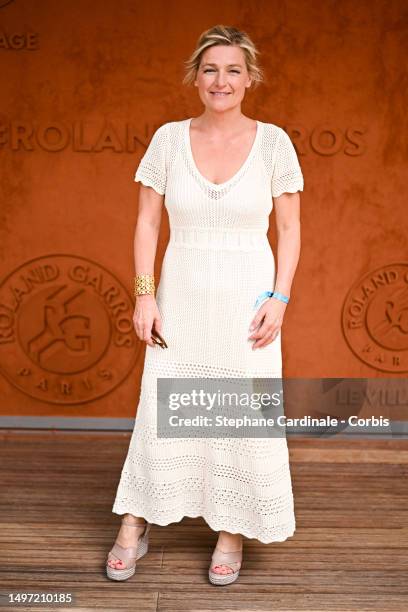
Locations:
(229, 65)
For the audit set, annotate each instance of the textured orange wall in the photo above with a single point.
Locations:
(83, 87)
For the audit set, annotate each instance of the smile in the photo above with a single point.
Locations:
(219, 93)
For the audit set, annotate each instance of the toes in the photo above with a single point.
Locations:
(115, 563)
(222, 569)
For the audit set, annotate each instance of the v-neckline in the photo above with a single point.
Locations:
(194, 165)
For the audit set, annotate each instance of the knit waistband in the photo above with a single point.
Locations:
(219, 238)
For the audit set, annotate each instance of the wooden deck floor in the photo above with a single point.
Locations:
(349, 552)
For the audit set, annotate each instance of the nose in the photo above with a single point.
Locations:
(221, 79)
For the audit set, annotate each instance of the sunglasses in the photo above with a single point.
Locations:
(157, 339)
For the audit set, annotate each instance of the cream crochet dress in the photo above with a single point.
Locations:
(218, 260)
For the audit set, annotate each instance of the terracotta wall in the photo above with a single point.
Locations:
(83, 86)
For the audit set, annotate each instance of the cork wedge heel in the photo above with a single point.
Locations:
(130, 554)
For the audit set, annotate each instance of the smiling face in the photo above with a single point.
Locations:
(222, 77)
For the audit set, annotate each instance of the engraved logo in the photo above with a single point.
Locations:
(375, 318)
(66, 329)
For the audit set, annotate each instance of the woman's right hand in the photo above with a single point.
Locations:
(146, 316)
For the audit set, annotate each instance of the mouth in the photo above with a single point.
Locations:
(219, 93)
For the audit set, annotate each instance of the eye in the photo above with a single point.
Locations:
(212, 69)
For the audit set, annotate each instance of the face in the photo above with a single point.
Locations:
(222, 77)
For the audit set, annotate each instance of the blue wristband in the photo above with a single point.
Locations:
(268, 294)
(280, 296)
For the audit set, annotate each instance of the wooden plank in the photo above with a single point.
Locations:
(349, 550)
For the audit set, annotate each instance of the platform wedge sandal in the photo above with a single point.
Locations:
(130, 554)
(232, 559)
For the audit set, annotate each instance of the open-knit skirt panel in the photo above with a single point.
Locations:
(242, 485)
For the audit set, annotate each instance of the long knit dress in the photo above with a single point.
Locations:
(218, 260)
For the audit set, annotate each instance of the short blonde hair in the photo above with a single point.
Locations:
(224, 35)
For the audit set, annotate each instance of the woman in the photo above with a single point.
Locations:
(218, 173)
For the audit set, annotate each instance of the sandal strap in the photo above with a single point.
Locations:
(226, 558)
(124, 554)
(148, 527)
(145, 526)
(129, 553)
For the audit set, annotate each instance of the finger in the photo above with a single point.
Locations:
(255, 335)
(266, 339)
(140, 330)
(257, 320)
(147, 337)
(262, 331)
(259, 333)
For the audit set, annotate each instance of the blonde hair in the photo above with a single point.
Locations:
(224, 35)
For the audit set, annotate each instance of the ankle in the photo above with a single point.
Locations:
(230, 541)
(134, 520)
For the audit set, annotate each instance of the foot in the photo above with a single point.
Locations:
(228, 542)
(127, 536)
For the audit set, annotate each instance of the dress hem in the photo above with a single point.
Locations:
(210, 523)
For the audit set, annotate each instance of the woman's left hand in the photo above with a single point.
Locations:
(270, 319)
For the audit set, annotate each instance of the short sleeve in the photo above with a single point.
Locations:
(287, 174)
(152, 168)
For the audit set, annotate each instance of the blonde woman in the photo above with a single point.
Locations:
(219, 176)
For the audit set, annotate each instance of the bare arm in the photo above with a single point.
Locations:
(270, 314)
(145, 248)
(287, 215)
(147, 229)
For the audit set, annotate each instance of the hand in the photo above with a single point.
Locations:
(146, 316)
(270, 319)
